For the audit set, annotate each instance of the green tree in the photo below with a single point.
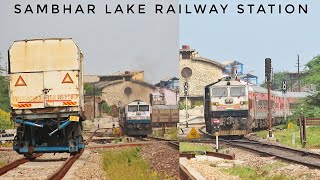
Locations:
(4, 89)
(311, 104)
(88, 87)
(312, 70)
(276, 83)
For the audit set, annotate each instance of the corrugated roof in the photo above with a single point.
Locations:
(109, 83)
(209, 61)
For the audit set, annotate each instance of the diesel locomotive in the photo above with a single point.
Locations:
(135, 119)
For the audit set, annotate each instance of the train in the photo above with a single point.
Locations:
(46, 95)
(138, 118)
(135, 119)
(233, 107)
(165, 115)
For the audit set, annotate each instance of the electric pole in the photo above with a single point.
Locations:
(268, 74)
(298, 65)
(94, 101)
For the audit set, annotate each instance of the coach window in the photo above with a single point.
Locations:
(219, 92)
(132, 108)
(143, 108)
(237, 91)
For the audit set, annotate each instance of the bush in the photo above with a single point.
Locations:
(106, 108)
(182, 105)
(88, 88)
(5, 122)
(197, 104)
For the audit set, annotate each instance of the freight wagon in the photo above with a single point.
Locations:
(165, 115)
(46, 95)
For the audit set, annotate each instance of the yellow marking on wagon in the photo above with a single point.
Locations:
(74, 118)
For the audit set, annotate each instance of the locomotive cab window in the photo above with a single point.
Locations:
(237, 91)
(132, 108)
(219, 92)
(144, 108)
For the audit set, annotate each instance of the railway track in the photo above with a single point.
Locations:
(58, 174)
(62, 171)
(185, 174)
(303, 157)
(14, 169)
(174, 144)
(298, 156)
(16, 163)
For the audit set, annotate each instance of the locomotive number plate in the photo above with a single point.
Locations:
(74, 118)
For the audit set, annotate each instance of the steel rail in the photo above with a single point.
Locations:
(118, 145)
(175, 145)
(289, 154)
(63, 170)
(185, 174)
(16, 163)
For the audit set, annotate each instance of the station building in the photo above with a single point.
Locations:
(198, 72)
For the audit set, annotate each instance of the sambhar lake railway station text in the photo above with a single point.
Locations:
(161, 9)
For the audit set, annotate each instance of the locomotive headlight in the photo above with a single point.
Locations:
(242, 102)
(243, 120)
(215, 103)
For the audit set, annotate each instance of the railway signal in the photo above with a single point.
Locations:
(284, 86)
(267, 68)
(284, 92)
(185, 88)
(216, 128)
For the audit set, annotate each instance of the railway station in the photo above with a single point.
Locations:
(159, 91)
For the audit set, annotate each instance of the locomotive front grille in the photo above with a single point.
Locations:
(233, 132)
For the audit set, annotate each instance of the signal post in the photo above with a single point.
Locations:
(268, 74)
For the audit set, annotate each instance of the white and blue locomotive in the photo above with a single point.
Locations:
(136, 119)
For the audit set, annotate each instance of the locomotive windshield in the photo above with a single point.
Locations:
(144, 108)
(219, 92)
(237, 91)
(132, 108)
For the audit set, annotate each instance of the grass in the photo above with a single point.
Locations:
(127, 164)
(172, 133)
(247, 172)
(2, 164)
(186, 146)
(285, 136)
(6, 144)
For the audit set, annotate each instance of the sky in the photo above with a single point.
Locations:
(250, 38)
(110, 43)
(113, 43)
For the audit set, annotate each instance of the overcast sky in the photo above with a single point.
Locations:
(251, 38)
(110, 43)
